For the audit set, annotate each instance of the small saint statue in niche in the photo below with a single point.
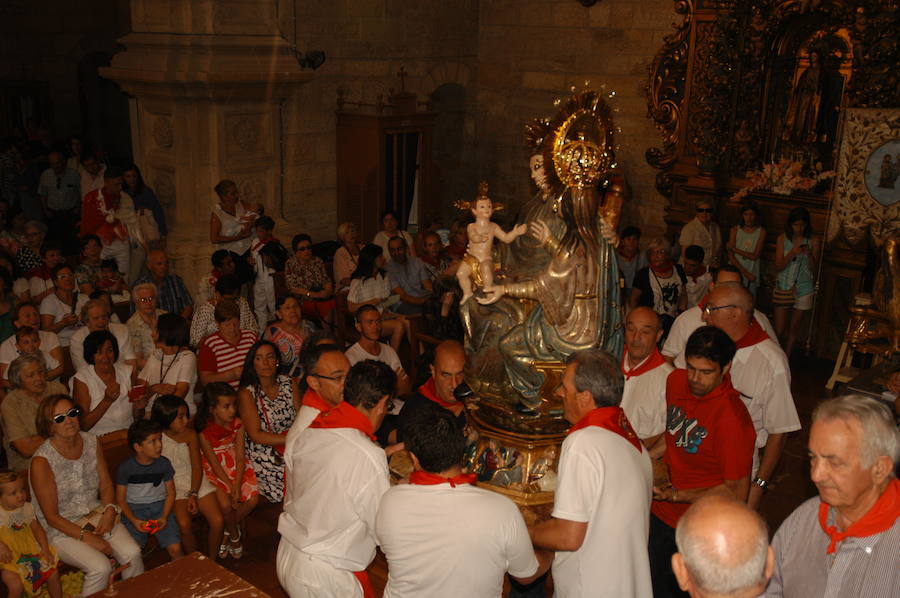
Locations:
(477, 267)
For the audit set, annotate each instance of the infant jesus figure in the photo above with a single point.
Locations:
(477, 267)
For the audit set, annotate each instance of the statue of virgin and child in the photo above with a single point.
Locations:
(556, 287)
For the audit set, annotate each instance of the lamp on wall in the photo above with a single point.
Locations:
(312, 59)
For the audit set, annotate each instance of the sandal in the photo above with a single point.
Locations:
(223, 547)
(236, 549)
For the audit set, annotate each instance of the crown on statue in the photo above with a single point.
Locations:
(465, 204)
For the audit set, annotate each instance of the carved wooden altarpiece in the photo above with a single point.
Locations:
(742, 83)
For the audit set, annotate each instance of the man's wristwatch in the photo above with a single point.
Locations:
(764, 484)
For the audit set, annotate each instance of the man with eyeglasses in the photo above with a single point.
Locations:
(760, 372)
(326, 369)
(702, 231)
(692, 318)
(60, 193)
(709, 445)
(328, 524)
(174, 296)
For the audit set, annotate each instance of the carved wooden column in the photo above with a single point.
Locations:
(209, 79)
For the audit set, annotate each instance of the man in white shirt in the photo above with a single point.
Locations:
(704, 232)
(442, 535)
(26, 314)
(760, 372)
(328, 528)
(369, 326)
(601, 514)
(645, 371)
(692, 319)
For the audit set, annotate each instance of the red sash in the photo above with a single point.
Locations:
(363, 578)
(423, 478)
(313, 399)
(429, 391)
(754, 335)
(879, 518)
(344, 415)
(654, 360)
(612, 419)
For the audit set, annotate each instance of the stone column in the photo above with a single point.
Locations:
(209, 79)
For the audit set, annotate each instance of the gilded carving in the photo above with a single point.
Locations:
(162, 132)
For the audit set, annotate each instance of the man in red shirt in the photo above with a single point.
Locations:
(710, 441)
(100, 216)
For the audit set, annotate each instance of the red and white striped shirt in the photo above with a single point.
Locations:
(218, 355)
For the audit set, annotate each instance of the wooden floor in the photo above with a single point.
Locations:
(791, 486)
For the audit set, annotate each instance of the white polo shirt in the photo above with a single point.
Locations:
(331, 514)
(605, 482)
(692, 319)
(9, 352)
(443, 541)
(356, 353)
(762, 375)
(644, 400)
(123, 338)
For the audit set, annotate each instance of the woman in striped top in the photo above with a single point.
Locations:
(221, 355)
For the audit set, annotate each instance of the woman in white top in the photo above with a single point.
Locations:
(59, 309)
(172, 368)
(101, 388)
(231, 222)
(390, 223)
(369, 286)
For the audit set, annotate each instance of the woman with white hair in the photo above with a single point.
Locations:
(660, 286)
(346, 258)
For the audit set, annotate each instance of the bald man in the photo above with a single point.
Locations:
(645, 371)
(173, 294)
(760, 372)
(692, 319)
(723, 550)
(446, 374)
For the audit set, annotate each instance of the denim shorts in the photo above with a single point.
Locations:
(171, 534)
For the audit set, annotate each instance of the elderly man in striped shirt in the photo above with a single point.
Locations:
(846, 541)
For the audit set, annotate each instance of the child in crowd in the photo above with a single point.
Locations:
(698, 275)
(28, 342)
(26, 559)
(110, 279)
(222, 441)
(40, 283)
(193, 491)
(145, 490)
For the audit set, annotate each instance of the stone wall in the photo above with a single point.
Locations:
(532, 51)
(366, 43)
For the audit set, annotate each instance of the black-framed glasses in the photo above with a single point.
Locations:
(339, 378)
(704, 210)
(61, 417)
(709, 308)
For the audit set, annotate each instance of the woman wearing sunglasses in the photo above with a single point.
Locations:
(75, 497)
(704, 232)
(28, 376)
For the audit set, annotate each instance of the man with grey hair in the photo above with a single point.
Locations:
(660, 286)
(605, 485)
(723, 550)
(846, 540)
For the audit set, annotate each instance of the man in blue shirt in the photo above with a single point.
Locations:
(408, 277)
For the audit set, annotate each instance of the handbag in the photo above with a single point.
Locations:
(148, 226)
(784, 297)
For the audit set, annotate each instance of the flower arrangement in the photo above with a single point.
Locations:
(782, 177)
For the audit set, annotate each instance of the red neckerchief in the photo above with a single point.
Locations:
(695, 277)
(344, 415)
(423, 478)
(612, 419)
(363, 578)
(313, 399)
(879, 518)
(754, 335)
(703, 302)
(665, 273)
(429, 391)
(215, 433)
(654, 360)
